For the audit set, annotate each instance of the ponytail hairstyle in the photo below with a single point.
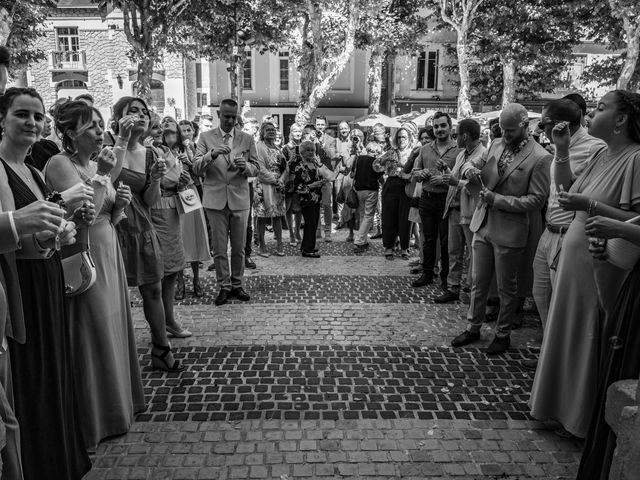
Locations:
(72, 116)
(628, 103)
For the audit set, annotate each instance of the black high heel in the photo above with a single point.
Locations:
(159, 362)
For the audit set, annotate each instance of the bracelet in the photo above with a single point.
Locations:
(120, 147)
(561, 160)
(154, 179)
(101, 178)
(593, 204)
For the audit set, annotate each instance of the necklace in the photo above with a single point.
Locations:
(21, 172)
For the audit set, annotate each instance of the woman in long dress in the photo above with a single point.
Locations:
(42, 368)
(195, 240)
(269, 203)
(566, 382)
(143, 258)
(291, 199)
(108, 384)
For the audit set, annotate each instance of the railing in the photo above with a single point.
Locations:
(68, 60)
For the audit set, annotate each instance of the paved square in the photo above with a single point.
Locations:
(336, 368)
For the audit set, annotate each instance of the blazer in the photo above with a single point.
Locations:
(223, 186)
(522, 189)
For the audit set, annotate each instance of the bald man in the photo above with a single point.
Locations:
(512, 179)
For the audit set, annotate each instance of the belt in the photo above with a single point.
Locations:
(168, 193)
(434, 194)
(561, 229)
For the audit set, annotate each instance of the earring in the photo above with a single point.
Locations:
(616, 131)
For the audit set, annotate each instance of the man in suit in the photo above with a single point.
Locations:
(514, 180)
(226, 157)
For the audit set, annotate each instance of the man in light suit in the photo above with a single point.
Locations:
(226, 157)
(513, 178)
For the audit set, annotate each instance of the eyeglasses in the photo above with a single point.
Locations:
(543, 123)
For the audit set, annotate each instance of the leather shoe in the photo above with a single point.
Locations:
(240, 294)
(465, 338)
(446, 297)
(422, 281)
(498, 346)
(310, 254)
(223, 297)
(249, 263)
(417, 270)
(530, 363)
(211, 267)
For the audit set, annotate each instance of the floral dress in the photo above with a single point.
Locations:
(304, 173)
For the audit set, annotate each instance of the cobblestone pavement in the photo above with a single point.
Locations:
(336, 368)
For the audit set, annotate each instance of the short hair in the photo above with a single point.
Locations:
(321, 117)
(563, 110)
(85, 96)
(579, 100)
(496, 131)
(5, 56)
(438, 115)
(308, 142)
(229, 102)
(470, 127)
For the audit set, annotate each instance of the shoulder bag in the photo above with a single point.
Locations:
(79, 270)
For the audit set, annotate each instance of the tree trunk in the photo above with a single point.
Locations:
(464, 105)
(374, 79)
(145, 74)
(318, 73)
(5, 25)
(234, 81)
(632, 30)
(508, 82)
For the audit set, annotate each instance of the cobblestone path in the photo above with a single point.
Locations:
(336, 368)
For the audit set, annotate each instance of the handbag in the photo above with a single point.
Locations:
(352, 199)
(78, 266)
(622, 253)
(189, 201)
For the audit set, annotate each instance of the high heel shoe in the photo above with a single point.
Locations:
(197, 289)
(178, 332)
(159, 362)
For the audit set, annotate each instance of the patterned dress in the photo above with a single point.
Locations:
(269, 199)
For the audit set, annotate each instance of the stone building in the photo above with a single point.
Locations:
(86, 54)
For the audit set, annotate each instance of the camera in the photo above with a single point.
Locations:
(355, 139)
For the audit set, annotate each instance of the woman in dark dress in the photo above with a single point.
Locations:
(42, 370)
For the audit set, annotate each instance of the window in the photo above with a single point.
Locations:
(198, 74)
(284, 70)
(247, 72)
(68, 39)
(428, 70)
(201, 100)
(72, 84)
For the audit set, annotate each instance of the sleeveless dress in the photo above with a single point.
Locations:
(42, 369)
(109, 385)
(268, 199)
(565, 387)
(137, 237)
(166, 221)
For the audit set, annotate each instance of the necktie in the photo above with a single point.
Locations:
(227, 139)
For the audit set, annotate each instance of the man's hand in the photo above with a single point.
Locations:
(449, 179)
(220, 150)
(488, 196)
(436, 180)
(561, 138)
(38, 216)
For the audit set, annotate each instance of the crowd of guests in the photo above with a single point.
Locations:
(525, 218)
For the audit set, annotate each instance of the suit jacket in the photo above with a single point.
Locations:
(11, 314)
(223, 186)
(522, 189)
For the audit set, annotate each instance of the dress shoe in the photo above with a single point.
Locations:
(498, 346)
(349, 238)
(530, 363)
(223, 297)
(310, 254)
(447, 296)
(249, 263)
(417, 270)
(465, 338)
(211, 267)
(327, 237)
(240, 293)
(376, 236)
(178, 331)
(422, 281)
(360, 248)
(415, 263)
